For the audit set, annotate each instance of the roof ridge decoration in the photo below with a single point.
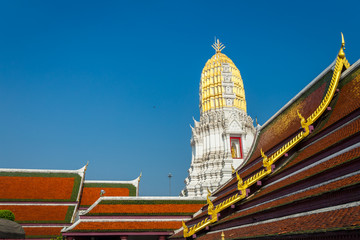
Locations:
(341, 62)
(79, 171)
(82, 172)
(218, 46)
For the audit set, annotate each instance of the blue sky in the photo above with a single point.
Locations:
(116, 83)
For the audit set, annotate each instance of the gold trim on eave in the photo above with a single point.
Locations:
(341, 62)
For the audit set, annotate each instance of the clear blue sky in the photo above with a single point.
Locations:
(116, 83)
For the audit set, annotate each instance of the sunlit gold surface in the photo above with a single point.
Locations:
(211, 86)
(341, 63)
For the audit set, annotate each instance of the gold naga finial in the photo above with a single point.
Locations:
(240, 181)
(185, 227)
(302, 119)
(211, 205)
(266, 162)
(218, 46)
(262, 153)
(209, 193)
(232, 169)
(341, 52)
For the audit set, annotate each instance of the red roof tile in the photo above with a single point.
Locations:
(147, 209)
(353, 154)
(348, 98)
(36, 187)
(91, 194)
(328, 141)
(298, 196)
(347, 218)
(126, 226)
(282, 127)
(287, 123)
(42, 232)
(40, 213)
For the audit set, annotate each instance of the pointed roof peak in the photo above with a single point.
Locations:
(218, 46)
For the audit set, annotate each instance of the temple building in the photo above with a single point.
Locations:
(223, 137)
(133, 218)
(295, 177)
(51, 203)
(301, 179)
(46, 201)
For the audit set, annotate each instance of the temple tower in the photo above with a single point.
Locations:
(225, 132)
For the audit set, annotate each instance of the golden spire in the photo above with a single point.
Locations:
(341, 52)
(218, 46)
(212, 88)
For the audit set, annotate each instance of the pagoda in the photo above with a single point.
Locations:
(301, 179)
(223, 137)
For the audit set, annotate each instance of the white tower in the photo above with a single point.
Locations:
(225, 132)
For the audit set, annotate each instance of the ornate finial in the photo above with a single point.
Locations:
(139, 178)
(87, 164)
(302, 119)
(341, 52)
(266, 162)
(222, 236)
(232, 169)
(218, 46)
(240, 181)
(210, 204)
(186, 230)
(262, 153)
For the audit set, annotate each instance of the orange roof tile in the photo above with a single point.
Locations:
(12, 187)
(125, 226)
(91, 194)
(40, 213)
(118, 209)
(42, 232)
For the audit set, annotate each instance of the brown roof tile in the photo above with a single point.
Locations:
(346, 218)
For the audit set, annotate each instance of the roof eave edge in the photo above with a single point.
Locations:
(298, 95)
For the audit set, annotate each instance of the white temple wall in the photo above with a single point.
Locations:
(223, 131)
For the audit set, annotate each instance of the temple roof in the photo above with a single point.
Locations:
(119, 215)
(302, 177)
(93, 189)
(43, 201)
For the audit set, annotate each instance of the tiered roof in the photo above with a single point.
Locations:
(43, 201)
(306, 183)
(134, 216)
(92, 190)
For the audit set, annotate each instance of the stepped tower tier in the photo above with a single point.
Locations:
(223, 136)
